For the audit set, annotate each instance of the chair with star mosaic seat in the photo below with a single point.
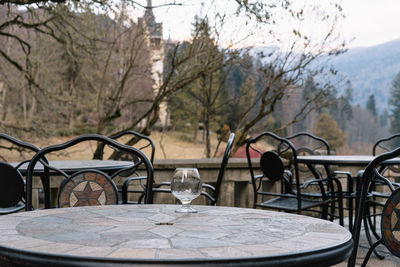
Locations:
(90, 186)
(87, 188)
(379, 191)
(390, 217)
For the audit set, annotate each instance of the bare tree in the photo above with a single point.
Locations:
(285, 70)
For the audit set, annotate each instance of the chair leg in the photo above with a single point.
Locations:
(369, 238)
(341, 216)
(372, 248)
(350, 205)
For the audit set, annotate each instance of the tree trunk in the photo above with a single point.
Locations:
(207, 126)
(71, 105)
(24, 104)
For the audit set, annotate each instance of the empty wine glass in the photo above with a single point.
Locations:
(186, 186)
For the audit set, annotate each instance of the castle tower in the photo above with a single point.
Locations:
(156, 43)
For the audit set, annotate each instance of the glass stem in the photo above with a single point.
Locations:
(185, 205)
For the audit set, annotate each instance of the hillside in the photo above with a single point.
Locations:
(371, 70)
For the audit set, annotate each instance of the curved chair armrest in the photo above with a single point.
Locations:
(162, 184)
(287, 181)
(207, 195)
(314, 181)
(163, 190)
(4, 211)
(208, 186)
(125, 186)
(349, 177)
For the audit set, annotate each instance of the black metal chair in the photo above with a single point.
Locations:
(210, 192)
(12, 183)
(278, 162)
(90, 186)
(138, 140)
(379, 190)
(141, 142)
(309, 144)
(390, 224)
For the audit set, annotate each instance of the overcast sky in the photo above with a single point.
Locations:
(368, 22)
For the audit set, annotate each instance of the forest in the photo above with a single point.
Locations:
(74, 67)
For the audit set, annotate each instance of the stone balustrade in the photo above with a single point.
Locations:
(236, 189)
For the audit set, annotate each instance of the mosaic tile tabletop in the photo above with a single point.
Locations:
(157, 232)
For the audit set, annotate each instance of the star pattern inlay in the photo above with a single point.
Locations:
(87, 197)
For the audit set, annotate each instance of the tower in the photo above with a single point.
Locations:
(156, 44)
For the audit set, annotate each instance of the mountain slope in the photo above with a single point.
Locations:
(371, 70)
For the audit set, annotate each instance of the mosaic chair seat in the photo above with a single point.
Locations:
(389, 234)
(277, 185)
(132, 186)
(308, 144)
(86, 187)
(209, 191)
(12, 183)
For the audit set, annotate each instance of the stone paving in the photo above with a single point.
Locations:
(388, 261)
(157, 232)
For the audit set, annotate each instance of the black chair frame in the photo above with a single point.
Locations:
(290, 178)
(125, 186)
(148, 198)
(21, 145)
(210, 192)
(367, 180)
(373, 194)
(323, 144)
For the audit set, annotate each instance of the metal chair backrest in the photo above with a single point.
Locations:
(14, 144)
(309, 144)
(133, 141)
(12, 189)
(12, 185)
(222, 168)
(386, 144)
(143, 163)
(371, 173)
(285, 150)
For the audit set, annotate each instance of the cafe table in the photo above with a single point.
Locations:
(154, 235)
(343, 161)
(71, 166)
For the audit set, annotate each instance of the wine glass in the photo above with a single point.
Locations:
(186, 186)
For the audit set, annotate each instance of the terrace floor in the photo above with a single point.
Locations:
(389, 261)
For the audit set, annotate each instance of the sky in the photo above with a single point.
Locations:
(367, 22)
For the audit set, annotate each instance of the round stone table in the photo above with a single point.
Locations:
(125, 235)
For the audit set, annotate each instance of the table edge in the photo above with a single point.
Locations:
(323, 257)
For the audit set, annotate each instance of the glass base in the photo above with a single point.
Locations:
(186, 209)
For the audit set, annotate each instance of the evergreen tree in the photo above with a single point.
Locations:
(371, 106)
(345, 109)
(328, 129)
(384, 118)
(395, 105)
(202, 99)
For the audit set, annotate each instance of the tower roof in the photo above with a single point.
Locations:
(155, 28)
